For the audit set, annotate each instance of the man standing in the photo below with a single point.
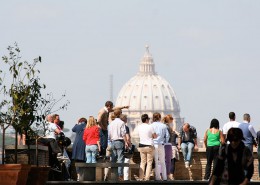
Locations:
(159, 153)
(187, 142)
(232, 123)
(249, 132)
(102, 120)
(117, 136)
(146, 147)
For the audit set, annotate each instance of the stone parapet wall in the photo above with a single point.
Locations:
(197, 170)
(22, 154)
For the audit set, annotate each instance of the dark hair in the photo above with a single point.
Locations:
(109, 103)
(156, 116)
(232, 115)
(214, 123)
(144, 117)
(61, 124)
(82, 120)
(235, 134)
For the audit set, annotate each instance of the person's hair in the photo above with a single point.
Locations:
(156, 116)
(112, 116)
(84, 120)
(109, 103)
(117, 113)
(144, 117)
(91, 122)
(235, 134)
(123, 117)
(186, 125)
(232, 115)
(214, 123)
(49, 118)
(246, 116)
(167, 118)
(61, 124)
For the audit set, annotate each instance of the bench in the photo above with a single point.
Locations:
(93, 171)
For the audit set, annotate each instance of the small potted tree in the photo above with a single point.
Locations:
(23, 106)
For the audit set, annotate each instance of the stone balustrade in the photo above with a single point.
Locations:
(197, 170)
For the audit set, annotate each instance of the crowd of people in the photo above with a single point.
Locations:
(107, 137)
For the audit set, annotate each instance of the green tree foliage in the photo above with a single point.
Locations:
(23, 105)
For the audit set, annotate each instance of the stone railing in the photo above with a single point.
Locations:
(24, 158)
(197, 170)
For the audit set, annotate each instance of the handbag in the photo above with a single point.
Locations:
(128, 153)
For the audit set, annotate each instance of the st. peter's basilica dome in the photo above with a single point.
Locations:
(147, 92)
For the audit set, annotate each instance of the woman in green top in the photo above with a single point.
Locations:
(213, 137)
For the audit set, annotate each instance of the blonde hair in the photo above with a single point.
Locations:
(117, 113)
(112, 116)
(91, 122)
(123, 117)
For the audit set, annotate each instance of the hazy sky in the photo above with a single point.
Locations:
(209, 51)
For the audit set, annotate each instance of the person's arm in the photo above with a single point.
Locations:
(167, 136)
(195, 138)
(179, 143)
(154, 135)
(205, 138)
(122, 107)
(222, 138)
(85, 136)
(252, 130)
(100, 116)
(224, 131)
(195, 144)
(128, 139)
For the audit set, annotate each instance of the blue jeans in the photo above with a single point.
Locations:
(186, 149)
(91, 153)
(118, 154)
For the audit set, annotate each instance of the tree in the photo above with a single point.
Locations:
(23, 106)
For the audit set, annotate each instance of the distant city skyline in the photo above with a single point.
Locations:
(207, 50)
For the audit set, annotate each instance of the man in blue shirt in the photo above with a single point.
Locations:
(249, 132)
(159, 153)
(187, 142)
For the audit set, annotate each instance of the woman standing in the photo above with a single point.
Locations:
(213, 138)
(92, 140)
(171, 151)
(78, 147)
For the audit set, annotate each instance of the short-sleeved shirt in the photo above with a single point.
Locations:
(228, 125)
(50, 130)
(145, 132)
(117, 130)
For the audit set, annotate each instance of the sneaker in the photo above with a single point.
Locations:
(62, 158)
(187, 164)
